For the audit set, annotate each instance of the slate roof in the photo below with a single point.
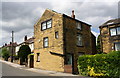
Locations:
(111, 22)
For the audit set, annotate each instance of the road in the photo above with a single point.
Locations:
(13, 72)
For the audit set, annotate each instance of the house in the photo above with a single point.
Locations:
(11, 48)
(110, 35)
(29, 42)
(60, 40)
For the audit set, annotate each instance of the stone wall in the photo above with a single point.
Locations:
(47, 60)
(70, 38)
(107, 40)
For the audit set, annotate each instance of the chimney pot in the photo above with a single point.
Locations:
(73, 16)
(25, 38)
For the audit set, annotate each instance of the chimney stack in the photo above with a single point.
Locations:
(10, 42)
(25, 38)
(73, 16)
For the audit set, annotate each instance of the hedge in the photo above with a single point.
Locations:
(100, 65)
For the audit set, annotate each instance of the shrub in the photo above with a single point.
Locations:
(23, 52)
(105, 65)
(5, 54)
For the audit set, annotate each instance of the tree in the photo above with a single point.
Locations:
(98, 47)
(23, 53)
(5, 53)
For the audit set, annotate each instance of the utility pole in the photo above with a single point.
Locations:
(12, 46)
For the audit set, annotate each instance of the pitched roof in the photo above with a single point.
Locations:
(111, 22)
(64, 15)
(8, 45)
(30, 40)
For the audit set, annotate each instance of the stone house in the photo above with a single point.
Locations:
(29, 42)
(110, 35)
(59, 40)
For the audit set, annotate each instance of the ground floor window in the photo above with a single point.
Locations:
(38, 57)
(117, 46)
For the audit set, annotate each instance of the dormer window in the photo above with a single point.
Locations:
(46, 25)
(79, 26)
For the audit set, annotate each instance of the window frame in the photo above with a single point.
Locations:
(56, 34)
(81, 40)
(115, 45)
(115, 31)
(46, 24)
(80, 24)
(38, 57)
(45, 41)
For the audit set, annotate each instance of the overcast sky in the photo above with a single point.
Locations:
(22, 15)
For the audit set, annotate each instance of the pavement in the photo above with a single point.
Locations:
(51, 73)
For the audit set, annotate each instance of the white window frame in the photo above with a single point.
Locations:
(43, 26)
(46, 25)
(49, 23)
(118, 30)
(113, 33)
(117, 46)
(79, 40)
(45, 42)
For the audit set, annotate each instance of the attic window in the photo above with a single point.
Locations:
(46, 25)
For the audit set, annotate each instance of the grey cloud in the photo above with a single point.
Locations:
(90, 12)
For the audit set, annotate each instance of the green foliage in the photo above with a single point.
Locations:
(105, 65)
(24, 51)
(98, 47)
(5, 53)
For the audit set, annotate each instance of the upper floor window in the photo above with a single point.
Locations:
(79, 26)
(79, 40)
(118, 30)
(56, 35)
(113, 31)
(49, 24)
(45, 42)
(45, 25)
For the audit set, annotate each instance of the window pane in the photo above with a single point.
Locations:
(69, 59)
(113, 31)
(79, 40)
(56, 34)
(79, 26)
(38, 56)
(45, 42)
(118, 30)
(44, 26)
(49, 24)
(117, 46)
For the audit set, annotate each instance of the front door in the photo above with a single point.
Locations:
(68, 68)
(31, 61)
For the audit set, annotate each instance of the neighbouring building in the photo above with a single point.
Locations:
(9, 47)
(110, 35)
(60, 40)
(29, 42)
